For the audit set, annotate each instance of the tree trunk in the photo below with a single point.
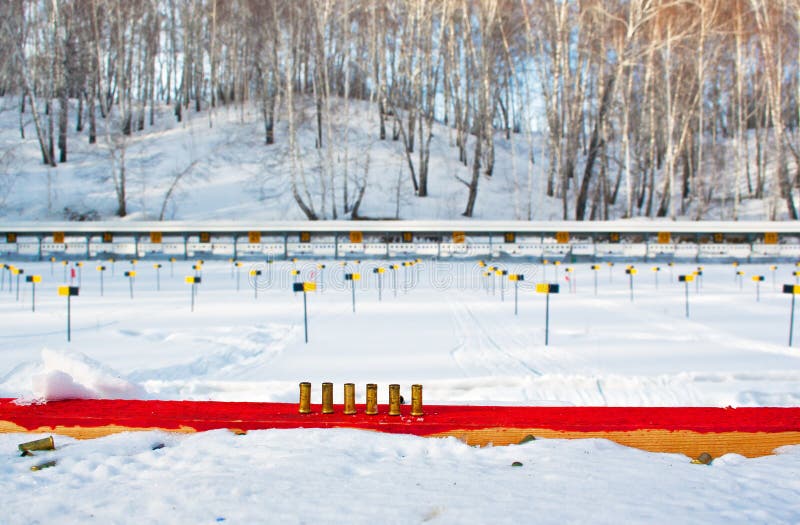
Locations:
(63, 123)
(79, 113)
(51, 150)
(595, 144)
(382, 115)
(122, 200)
(476, 171)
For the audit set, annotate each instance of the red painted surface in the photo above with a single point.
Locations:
(208, 415)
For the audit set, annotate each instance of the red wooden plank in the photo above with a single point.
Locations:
(204, 415)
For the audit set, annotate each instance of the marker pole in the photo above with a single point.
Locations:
(101, 284)
(18, 274)
(547, 319)
(193, 285)
(158, 279)
(595, 282)
(353, 290)
(516, 294)
(380, 286)
(69, 320)
(791, 323)
(130, 282)
(33, 297)
(305, 315)
(758, 292)
(687, 299)
(631, 285)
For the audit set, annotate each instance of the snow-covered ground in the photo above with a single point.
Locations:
(348, 476)
(445, 329)
(218, 168)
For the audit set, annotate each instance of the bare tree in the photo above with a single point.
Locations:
(769, 16)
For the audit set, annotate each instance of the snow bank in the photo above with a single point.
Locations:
(351, 476)
(72, 375)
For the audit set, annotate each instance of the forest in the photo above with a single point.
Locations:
(637, 106)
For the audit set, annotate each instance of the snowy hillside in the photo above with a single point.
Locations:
(225, 171)
(217, 166)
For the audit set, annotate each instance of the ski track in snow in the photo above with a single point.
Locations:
(232, 352)
(478, 352)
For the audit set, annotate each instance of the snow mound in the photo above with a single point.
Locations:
(72, 375)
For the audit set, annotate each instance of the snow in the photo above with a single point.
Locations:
(226, 171)
(75, 376)
(316, 476)
(445, 329)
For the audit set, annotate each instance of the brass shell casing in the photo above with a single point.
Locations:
(42, 466)
(394, 400)
(349, 399)
(39, 444)
(416, 400)
(372, 399)
(305, 398)
(327, 398)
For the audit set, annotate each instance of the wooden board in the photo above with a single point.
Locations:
(748, 431)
